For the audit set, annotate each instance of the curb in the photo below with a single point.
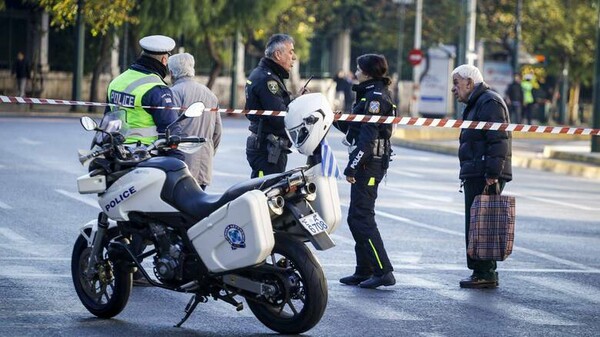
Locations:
(583, 169)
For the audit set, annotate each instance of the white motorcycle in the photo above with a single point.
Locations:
(248, 242)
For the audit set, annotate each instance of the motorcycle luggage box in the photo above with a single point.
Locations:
(237, 235)
(327, 203)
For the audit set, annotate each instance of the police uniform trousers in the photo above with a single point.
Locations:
(472, 188)
(258, 160)
(371, 257)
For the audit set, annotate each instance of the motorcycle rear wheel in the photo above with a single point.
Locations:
(301, 307)
(106, 293)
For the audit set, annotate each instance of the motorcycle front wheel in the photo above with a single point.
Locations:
(106, 292)
(303, 299)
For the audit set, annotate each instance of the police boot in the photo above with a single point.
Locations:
(375, 281)
(354, 279)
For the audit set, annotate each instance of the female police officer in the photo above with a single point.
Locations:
(369, 148)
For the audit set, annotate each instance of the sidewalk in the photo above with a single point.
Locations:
(565, 154)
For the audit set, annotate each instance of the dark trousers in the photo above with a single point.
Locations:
(371, 257)
(258, 160)
(472, 188)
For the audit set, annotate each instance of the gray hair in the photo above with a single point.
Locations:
(276, 42)
(468, 71)
(181, 65)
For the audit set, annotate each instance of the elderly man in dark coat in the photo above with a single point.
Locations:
(485, 156)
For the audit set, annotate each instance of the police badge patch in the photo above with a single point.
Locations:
(374, 107)
(273, 86)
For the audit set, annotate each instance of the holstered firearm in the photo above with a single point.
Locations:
(275, 146)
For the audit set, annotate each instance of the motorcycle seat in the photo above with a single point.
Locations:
(183, 192)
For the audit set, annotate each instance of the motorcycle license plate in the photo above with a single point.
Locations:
(313, 223)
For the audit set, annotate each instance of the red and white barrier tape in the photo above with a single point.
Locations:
(415, 121)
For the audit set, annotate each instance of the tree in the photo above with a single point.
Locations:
(101, 17)
(210, 25)
(562, 30)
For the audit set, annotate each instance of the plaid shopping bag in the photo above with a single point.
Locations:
(492, 227)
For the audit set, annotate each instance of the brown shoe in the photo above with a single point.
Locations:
(476, 282)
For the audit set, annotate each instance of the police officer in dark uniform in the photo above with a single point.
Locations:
(268, 145)
(370, 150)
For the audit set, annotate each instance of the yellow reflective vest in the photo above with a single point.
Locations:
(127, 91)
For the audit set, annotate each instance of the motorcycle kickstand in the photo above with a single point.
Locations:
(190, 307)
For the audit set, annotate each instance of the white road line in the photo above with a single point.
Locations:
(13, 236)
(461, 234)
(488, 301)
(398, 265)
(4, 206)
(79, 197)
(29, 258)
(365, 306)
(29, 141)
(584, 292)
(405, 173)
(556, 202)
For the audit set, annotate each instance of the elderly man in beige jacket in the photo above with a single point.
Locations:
(186, 91)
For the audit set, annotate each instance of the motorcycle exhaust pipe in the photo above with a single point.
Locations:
(276, 205)
(310, 190)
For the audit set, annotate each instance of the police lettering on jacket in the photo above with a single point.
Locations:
(121, 98)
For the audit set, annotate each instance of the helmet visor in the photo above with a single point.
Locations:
(299, 134)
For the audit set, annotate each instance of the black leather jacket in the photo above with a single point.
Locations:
(265, 90)
(485, 153)
(372, 98)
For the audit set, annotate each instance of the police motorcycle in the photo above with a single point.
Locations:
(248, 243)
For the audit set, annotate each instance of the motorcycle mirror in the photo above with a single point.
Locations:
(195, 110)
(88, 123)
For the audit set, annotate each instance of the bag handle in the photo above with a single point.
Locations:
(486, 189)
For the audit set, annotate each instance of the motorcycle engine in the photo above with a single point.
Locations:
(169, 257)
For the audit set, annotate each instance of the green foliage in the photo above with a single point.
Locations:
(99, 15)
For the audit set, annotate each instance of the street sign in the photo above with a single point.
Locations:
(415, 56)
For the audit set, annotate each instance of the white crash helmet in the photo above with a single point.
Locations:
(307, 121)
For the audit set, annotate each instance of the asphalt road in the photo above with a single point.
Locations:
(549, 286)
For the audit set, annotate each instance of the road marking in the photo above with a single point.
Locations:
(581, 291)
(556, 202)
(13, 236)
(79, 197)
(29, 258)
(405, 173)
(366, 304)
(459, 267)
(4, 206)
(487, 301)
(29, 141)
(462, 234)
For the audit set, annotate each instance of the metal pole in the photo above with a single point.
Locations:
(400, 41)
(417, 69)
(515, 60)
(596, 118)
(79, 43)
(233, 89)
(472, 11)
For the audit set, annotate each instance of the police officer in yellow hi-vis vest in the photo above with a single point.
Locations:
(143, 85)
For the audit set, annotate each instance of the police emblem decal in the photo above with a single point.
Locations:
(374, 107)
(234, 234)
(273, 86)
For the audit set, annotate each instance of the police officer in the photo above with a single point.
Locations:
(370, 150)
(268, 145)
(143, 85)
